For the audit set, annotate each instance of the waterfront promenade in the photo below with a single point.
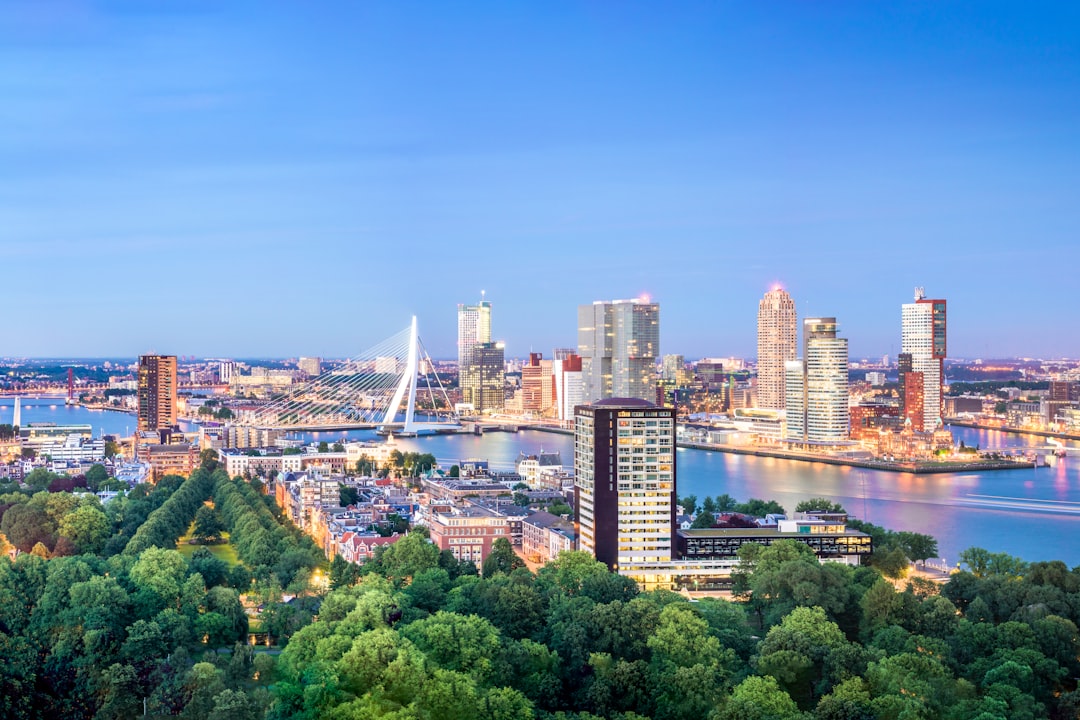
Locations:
(915, 467)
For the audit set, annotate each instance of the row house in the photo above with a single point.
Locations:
(544, 536)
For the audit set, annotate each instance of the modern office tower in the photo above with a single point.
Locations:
(777, 330)
(795, 399)
(474, 328)
(923, 336)
(310, 366)
(817, 410)
(485, 377)
(624, 486)
(569, 386)
(674, 369)
(619, 342)
(537, 385)
(157, 391)
(226, 370)
(474, 333)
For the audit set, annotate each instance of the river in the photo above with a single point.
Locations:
(1031, 513)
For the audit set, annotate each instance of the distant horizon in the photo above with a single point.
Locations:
(547, 355)
(263, 179)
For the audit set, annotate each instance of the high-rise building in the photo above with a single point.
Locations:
(624, 487)
(157, 391)
(777, 330)
(923, 336)
(674, 369)
(310, 366)
(483, 378)
(481, 386)
(537, 385)
(619, 342)
(816, 387)
(569, 387)
(474, 328)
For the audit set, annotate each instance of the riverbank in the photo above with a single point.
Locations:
(917, 468)
(1013, 430)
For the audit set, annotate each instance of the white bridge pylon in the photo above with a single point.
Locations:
(365, 392)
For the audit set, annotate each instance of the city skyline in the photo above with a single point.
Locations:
(215, 158)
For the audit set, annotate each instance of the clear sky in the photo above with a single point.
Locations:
(258, 178)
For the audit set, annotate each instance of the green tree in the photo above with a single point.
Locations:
(704, 519)
(96, 476)
(87, 527)
(916, 546)
(26, 525)
(759, 698)
(208, 526)
(819, 504)
(324, 447)
(689, 504)
(501, 559)
(348, 495)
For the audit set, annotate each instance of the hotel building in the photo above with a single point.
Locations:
(624, 488)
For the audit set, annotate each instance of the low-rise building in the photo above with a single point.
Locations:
(265, 464)
(544, 536)
(468, 532)
(179, 459)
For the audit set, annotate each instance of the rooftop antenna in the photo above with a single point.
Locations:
(482, 294)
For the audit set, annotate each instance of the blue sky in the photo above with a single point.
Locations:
(278, 179)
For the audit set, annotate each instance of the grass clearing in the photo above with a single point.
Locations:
(225, 551)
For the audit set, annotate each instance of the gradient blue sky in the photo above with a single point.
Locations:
(257, 178)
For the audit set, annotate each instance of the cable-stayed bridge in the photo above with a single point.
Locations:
(368, 391)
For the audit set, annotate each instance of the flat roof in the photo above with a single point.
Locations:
(759, 532)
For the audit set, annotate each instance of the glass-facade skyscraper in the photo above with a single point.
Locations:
(480, 361)
(619, 342)
(817, 386)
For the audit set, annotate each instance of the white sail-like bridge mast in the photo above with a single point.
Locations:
(366, 392)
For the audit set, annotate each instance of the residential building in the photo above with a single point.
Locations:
(467, 532)
(817, 386)
(157, 391)
(310, 366)
(544, 536)
(923, 336)
(569, 385)
(174, 459)
(624, 489)
(619, 342)
(777, 340)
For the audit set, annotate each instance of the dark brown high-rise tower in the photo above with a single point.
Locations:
(157, 391)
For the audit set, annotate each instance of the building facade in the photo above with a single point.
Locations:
(619, 342)
(923, 335)
(777, 340)
(817, 386)
(157, 391)
(624, 491)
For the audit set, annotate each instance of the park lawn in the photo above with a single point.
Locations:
(225, 551)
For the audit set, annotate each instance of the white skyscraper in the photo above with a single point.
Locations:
(923, 336)
(777, 330)
(619, 342)
(817, 386)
